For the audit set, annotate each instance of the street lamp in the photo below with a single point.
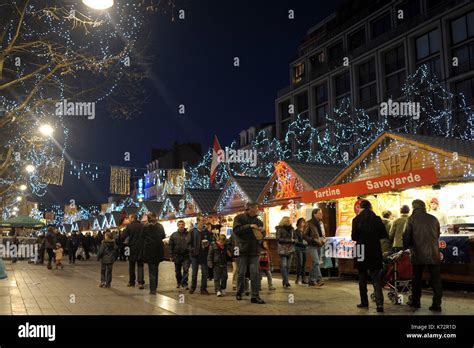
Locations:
(99, 4)
(15, 208)
(23, 187)
(46, 130)
(19, 198)
(30, 168)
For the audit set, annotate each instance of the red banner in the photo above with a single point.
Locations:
(386, 183)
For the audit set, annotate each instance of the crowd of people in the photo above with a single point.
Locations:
(418, 232)
(202, 248)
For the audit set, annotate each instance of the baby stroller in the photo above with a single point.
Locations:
(397, 277)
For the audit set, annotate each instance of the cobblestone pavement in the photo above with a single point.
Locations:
(32, 289)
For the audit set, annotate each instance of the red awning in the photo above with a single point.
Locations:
(414, 178)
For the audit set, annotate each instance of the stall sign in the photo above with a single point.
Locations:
(413, 178)
(454, 249)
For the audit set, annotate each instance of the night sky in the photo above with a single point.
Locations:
(192, 64)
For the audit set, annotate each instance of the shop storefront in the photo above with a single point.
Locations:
(281, 197)
(395, 170)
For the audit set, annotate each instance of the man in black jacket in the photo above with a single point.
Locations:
(179, 253)
(199, 240)
(367, 230)
(249, 250)
(422, 238)
(153, 250)
(134, 232)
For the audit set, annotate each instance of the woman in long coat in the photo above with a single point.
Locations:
(153, 249)
(367, 230)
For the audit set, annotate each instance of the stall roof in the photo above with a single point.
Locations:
(131, 210)
(252, 186)
(315, 174)
(21, 221)
(205, 199)
(441, 145)
(154, 206)
(462, 147)
(175, 200)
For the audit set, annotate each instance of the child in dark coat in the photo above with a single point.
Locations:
(219, 254)
(107, 254)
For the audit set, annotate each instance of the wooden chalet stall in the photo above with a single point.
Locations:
(202, 202)
(281, 197)
(237, 192)
(398, 168)
(172, 209)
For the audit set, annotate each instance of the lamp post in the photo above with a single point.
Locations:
(98, 4)
(30, 168)
(46, 130)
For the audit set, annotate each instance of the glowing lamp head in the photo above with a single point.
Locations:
(15, 209)
(98, 4)
(46, 130)
(19, 198)
(23, 187)
(30, 168)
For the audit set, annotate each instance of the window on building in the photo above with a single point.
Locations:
(321, 94)
(462, 28)
(394, 59)
(465, 89)
(343, 84)
(464, 93)
(342, 87)
(317, 60)
(357, 39)
(394, 84)
(433, 3)
(381, 25)
(434, 66)
(320, 116)
(285, 116)
(285, 125)
(410, 8)
(428, 44)
(322, 107)
(366, 72)
(298, 73)
(336, 51)
(368, 96)
(302, 103)
(465, 56)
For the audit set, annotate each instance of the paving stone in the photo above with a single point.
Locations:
(32, 289)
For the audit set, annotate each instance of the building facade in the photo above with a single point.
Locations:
(366, 50)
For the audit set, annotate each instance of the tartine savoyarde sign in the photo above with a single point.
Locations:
(413, 178)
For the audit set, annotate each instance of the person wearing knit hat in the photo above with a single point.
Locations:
(436, 211)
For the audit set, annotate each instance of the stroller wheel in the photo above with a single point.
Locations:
(372, 296)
